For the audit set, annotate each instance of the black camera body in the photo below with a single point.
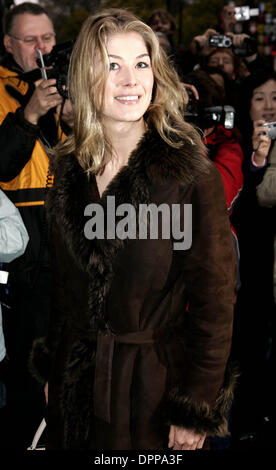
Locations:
(248, 47)
(271, 129)
(206, 117)
(220, 40)
(224, 115)
(57, 63)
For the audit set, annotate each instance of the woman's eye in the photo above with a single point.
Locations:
(142, 65)
(113, 66)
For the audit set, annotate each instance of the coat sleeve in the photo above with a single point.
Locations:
(44, 348)
(17, 141)
(266, 190)
(201, 394)
(13, 234)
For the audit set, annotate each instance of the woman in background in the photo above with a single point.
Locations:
(254, 221)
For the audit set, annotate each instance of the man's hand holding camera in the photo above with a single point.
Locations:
(242, 44)
(42, 100)
(51, 92)
(200, 43)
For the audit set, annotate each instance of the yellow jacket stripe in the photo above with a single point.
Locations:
(28, 187)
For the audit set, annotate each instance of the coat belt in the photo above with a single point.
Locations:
(103, 371)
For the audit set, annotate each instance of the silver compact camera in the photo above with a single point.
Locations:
(271, 129)
(220, 40)
(245, 13)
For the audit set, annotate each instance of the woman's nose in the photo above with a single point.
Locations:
(268, 102)
(129, 77)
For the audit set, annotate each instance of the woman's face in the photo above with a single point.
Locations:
(128, 89)
(263, 102)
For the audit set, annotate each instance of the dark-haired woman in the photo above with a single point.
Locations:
(255, 225)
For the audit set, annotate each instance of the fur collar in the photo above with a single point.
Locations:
(72, 192)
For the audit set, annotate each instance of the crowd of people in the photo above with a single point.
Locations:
(121, 342)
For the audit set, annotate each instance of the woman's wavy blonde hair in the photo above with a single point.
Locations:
(87, 83)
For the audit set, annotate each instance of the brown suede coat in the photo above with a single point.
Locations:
(140, 333)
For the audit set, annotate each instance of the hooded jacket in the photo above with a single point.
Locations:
(140, 332)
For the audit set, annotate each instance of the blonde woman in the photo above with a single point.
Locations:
(141, 324)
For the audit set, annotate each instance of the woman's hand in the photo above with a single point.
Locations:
(192, 88)
(260, 142)
(185, 439)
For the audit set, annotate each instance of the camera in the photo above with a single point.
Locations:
(271, 129)
(220, 40)
(57, 63)
(244, 13)
(224, 115)
(209, 116)
(248, 47)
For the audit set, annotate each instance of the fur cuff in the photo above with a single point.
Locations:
(39, 362)
(183, 411)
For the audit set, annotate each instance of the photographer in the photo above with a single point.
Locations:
(211, 115)
(232, 52)
(29, 126)
(216, 121)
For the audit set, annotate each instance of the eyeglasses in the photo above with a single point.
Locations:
(32, 40)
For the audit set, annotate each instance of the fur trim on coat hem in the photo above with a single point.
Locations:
(183, 411)
(39, 362)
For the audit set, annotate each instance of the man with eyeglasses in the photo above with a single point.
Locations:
(29, 125)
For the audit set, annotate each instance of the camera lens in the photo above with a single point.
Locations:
(227, 42)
